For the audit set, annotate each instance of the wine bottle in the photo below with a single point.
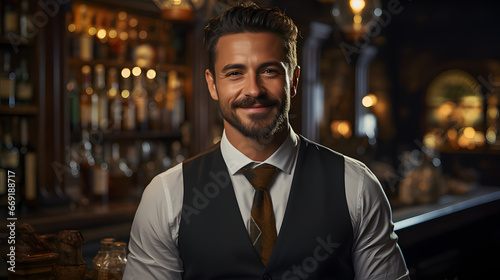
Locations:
(128, 105)
(114, 100)
(86, 41)
(74, 102)
(85, 98)
(28, 155)
(10, 18)
(140, 98)
(24, 87)
(102, 97)
(100, 178)
(7, 82)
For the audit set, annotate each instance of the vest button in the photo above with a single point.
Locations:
(267, 277)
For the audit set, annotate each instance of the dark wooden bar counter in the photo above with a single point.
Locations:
(453, 237)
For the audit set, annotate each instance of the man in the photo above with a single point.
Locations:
(264, 203)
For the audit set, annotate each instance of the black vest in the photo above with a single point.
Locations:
(314, 241)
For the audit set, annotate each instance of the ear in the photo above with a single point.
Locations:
(211, 85)
(295, 81)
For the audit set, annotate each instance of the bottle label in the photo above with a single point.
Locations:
(30, 176)
(101, 178)
(24, 91)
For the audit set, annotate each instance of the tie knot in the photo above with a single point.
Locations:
(260, 177)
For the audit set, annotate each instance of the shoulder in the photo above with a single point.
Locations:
(359, 177)
(164, 184)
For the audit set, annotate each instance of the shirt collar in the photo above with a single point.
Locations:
(283, 158)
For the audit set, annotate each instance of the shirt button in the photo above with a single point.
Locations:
(268, 277)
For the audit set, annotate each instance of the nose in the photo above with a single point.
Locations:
(254, 87)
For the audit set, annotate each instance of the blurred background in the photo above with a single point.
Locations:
(97, 97)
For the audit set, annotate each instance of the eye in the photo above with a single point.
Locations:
(233, 74)
(270, 73)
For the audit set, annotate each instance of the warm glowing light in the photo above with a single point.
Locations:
(89, 90)
(125, 73)
(122, 15)
(101, 34)
(357, 5)
(430, 140)
(123, 36)
(151, 74)
(446, 109)
(92, 31)
(341, 129)
(133, 22)
(357, 18)
(451, 134)
(136, 71)
(125, 93)
(71, 27)
(479, 138)
(491, 135)
(113, 33)
(469, 132)
(492, 113)
(143, 34)
(369, 100)
(112, 92)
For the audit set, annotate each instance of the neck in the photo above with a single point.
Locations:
(256, 149)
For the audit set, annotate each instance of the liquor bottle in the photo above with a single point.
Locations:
(26, 28)
(114, 100)
(105, 252)
(24, 88)
(102, 97)
(128, 106)
(140, 98)
(155, 102)
(7, 82)
(100, 179)
(9, 156)
(28, 155)
(101, 38)
(73, 39)
(132, 40)
(174, 104)
(10, 18)
(113, 267)
(74, 102)
(175, 86)
(86, 41)
(85, 98)
(113, 39)
(121, 28)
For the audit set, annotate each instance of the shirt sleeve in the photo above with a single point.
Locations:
(153, 249)
(376, 254)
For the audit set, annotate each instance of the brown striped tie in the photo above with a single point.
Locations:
(262, 222)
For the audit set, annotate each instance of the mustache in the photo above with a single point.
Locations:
(248, 101)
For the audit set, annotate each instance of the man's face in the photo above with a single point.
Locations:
(252, 83)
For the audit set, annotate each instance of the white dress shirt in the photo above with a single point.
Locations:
(155, 230)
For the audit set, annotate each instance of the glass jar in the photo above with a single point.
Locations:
(106, 247)
(112, 267)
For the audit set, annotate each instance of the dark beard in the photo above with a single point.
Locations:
(258, 130)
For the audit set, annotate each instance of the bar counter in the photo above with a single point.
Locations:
(438, 240)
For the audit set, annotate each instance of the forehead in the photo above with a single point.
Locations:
(249, 47)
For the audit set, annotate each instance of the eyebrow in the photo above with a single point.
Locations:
(233, 67)
(241, 66)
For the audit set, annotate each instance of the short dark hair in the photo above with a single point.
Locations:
(252, 18)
